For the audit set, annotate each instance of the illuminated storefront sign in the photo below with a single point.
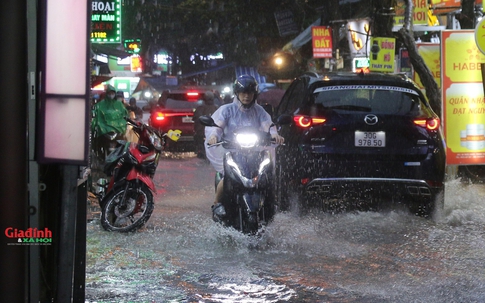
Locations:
(106, 21)
(359, 36)
(132, 46)
(136, 64)
(360, 64)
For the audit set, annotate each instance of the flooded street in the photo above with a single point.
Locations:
(181, 255)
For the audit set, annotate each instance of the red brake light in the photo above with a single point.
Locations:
(307, 121)
(159, 116)
(430, 124)
(192, 96)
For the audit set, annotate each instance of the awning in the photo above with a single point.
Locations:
(252, 71)
(108, 50)
(96, 80)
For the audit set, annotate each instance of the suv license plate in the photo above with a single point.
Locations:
(187, 120)
(370, 139)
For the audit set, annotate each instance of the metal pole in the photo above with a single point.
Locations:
(67, 236)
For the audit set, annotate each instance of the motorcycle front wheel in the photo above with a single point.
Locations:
(126, 209)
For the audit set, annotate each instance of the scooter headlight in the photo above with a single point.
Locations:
(156, 141)
(247, 140)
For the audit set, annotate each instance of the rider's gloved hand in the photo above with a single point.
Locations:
(212, 140)
(278, 139)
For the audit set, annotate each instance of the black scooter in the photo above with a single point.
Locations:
(248, 196)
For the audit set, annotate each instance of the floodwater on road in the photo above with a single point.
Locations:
(181, 255)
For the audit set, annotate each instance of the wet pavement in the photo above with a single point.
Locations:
(181, 255)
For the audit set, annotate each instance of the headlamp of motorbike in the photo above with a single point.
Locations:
(156, 141)
(247, 140)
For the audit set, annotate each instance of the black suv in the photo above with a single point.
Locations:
(357, 139)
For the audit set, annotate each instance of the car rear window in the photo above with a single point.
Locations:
(180, 101)
(367, 98)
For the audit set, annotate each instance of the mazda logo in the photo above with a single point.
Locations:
(371, 119)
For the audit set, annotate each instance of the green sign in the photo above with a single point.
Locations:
(361, 62)
(132, 46)
(106, 21)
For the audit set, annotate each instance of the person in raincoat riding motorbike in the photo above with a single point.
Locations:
(108, 116)
(243, 111)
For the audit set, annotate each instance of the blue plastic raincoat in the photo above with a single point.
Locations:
(231, 117)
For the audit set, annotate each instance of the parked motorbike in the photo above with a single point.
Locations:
(248, 196)
(103, 146)
(127, 200)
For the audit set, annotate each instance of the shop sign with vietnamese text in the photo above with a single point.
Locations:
(420, 12)
(382, 54)
(322, 41)
(463, 98)
(106, 21)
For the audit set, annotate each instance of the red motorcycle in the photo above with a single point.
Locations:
(127, 200)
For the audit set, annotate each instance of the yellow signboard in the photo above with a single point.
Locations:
(463, 98)
(420, 12)
(430, 53)
(382, 54)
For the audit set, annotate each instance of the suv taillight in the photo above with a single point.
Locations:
(430, 123)
(307, 121)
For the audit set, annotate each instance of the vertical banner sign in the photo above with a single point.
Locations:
(405, 65)
(106, 21)
(420, 12)
(430, 52)
(322, 41)
(382, 54)
(463, 100)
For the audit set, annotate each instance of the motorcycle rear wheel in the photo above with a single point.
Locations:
(129, 215)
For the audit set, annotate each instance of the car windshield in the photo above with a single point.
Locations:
(367, 98)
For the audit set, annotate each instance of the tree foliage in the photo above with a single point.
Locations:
(243, 30)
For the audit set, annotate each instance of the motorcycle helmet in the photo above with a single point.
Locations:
(246, 84)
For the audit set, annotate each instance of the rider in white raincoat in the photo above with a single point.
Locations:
(243, 111)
